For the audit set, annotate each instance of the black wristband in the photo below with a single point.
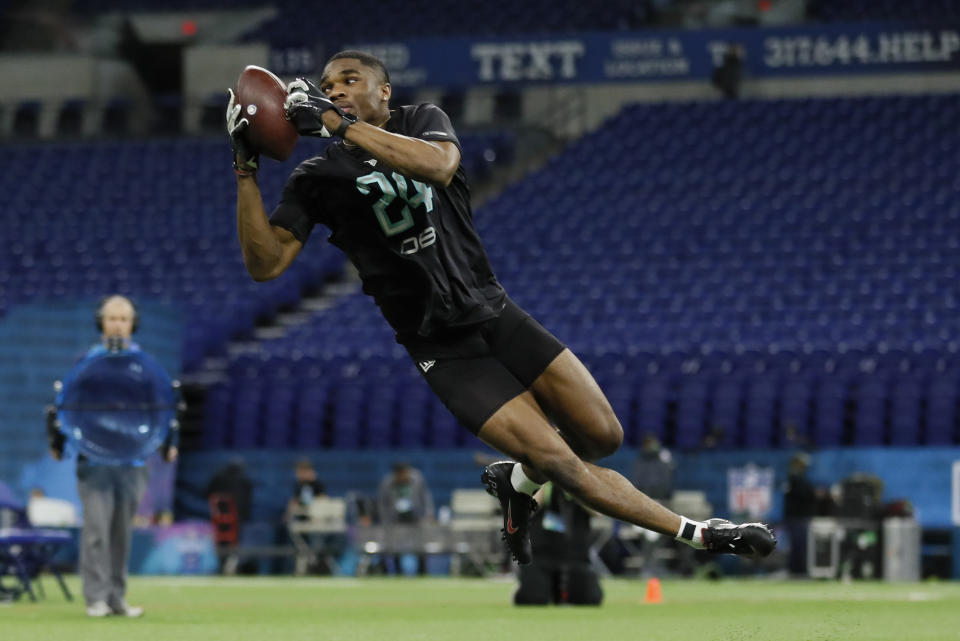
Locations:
(345, 121)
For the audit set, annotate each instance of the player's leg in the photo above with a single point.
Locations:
(492, 401)
(561, 384)
(489, 400)
(520, 429)
(571, 397)
(474, 385)
(563, 389)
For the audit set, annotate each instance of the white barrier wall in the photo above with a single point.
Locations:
(600, 101)
(51, 80)
(209, 70)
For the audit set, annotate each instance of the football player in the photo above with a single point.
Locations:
(393, 194)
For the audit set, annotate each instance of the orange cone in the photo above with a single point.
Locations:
(653, 591)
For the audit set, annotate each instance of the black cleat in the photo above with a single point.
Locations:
(516, 506)
(752, 540)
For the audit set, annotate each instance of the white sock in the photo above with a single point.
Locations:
(691, 533)
(521, 483)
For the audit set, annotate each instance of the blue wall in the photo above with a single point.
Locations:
(921, 475)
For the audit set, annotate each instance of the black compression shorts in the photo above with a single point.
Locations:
(475, 370)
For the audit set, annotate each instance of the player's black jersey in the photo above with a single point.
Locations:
(414, 244)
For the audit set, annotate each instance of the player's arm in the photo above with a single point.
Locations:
(432, 161)
(314, 114)
(267, 249)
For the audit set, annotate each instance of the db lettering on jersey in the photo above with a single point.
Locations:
(413, 244)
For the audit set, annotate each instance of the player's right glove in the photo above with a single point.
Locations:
(245, 159)
(305, 106)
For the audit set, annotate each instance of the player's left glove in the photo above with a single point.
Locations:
(245, 159)
(305, 106)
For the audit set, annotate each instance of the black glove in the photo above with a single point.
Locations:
(245, 160)
(305, 105)
(55, 438)
(171, 445)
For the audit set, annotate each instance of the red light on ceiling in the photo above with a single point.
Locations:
(764, 5)
(188, 28)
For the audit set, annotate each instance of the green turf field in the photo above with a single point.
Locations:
(267, 609)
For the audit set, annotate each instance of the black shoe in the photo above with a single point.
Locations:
(752, 540)
(517, 508)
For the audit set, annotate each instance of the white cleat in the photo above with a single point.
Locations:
(99, 609)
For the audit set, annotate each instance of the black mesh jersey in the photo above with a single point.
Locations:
(415, 246)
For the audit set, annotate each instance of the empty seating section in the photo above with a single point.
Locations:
(756, 273)
(156, 220)
(151, 219)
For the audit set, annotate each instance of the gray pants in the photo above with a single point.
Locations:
(110, 496)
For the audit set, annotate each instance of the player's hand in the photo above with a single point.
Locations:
(305, 106)
(245, 159)
(171, 454)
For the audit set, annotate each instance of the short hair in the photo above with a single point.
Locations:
(367, 59)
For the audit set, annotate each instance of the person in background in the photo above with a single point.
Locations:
(232, 480)
(799, 506)
(230, 495)
(307, 488)
(728, 74)
(109, 494)
(653, 474)
(561, 572)
(404, 498)
(653, 470)
(306, 491)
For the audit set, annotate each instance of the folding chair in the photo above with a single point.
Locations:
(314, 528)
(475, 524)
(25, 550)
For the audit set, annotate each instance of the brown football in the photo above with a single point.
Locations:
(261, 95)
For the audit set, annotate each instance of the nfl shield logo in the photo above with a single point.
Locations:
(750, 490)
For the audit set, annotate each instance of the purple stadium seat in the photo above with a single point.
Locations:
(759, 415)
(870, 393)
(691, 411)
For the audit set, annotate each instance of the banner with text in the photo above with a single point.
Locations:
(633, 56)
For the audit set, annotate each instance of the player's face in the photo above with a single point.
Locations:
(117, 319)
(357, 89)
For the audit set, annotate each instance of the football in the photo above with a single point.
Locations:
(261, 95)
